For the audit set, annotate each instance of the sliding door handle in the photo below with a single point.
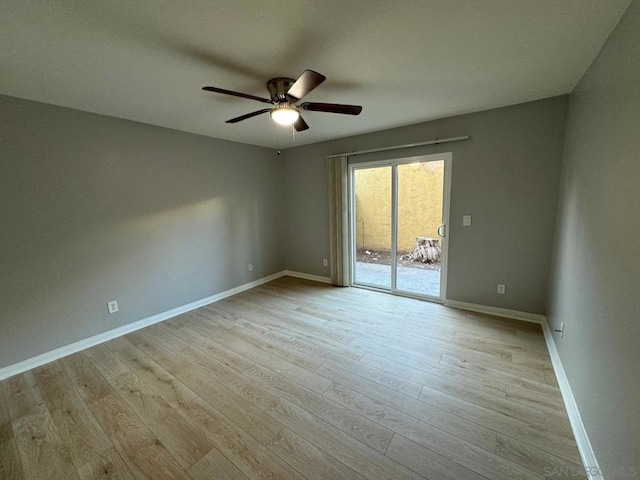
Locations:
(441, 230)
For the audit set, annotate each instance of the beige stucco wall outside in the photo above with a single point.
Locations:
(420, 192)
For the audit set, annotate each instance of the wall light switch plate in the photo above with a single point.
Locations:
(466, 220)
(112, 306)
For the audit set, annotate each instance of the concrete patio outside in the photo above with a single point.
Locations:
(412, 280)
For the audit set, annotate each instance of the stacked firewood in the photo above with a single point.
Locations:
(427, 250)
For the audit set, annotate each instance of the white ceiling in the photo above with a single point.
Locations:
(403, 61)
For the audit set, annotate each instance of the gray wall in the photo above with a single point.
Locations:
(505, 176)
(596, 269)
(94, 208)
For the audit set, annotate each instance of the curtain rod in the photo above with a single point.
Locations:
(398, 147)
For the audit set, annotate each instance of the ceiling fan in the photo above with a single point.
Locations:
(285, 93)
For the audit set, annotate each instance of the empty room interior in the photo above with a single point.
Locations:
(320, 240)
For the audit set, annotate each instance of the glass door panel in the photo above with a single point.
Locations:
(420, 191)
(372, 225)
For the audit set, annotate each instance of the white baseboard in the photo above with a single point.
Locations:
(582, 439)
(587, 455)
(307, 276)
(47, 357)
(496, 311)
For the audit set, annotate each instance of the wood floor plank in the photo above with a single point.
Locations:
(468, 391)
(365, 460)
(541, 402)
(535, 459)
(358, 311)
(22, 396)
(319, 348)
(242, 337)
(507, 340)
(427, 462)
(309, 460)
(143, 453)
(266, 299)
(109, 465)
(430, 374)
(408, 417)
(183, 438)
(215, 466)
(488, 352)
(529, 352)
(496, 372)
(42, 452)
(76, 425)
(304, 377)
(551, 379)
(213, 388)
(253, 390)
(10, 465)
(105, 361)
(325, 342)
(436, 417)
(56, 388)
(393, 362)
(349, 325)
(394, 382)
(6, 430)
(559, 425)
(440, 332)
(531, 372)
(174, 392)
(532, 329)
(515, 428)
(538, 359)
(247, 454)
(480, 459)
(292, 380)
(536, 388)
(89, 382)
(392, 350)
(314, 346)
(498, 404)
(292, 322)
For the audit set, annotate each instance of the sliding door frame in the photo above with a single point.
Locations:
(444, 261)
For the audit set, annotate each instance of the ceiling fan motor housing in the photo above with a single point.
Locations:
(278, 88)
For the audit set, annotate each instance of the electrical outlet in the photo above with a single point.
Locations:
(560, 330)
(502, 289)
(325, 263)
(112, 306)
(466, 220)
(250, 266)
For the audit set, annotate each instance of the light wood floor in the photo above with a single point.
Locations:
(297, 380)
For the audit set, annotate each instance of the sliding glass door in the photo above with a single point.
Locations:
(399, 211)
(373, 226)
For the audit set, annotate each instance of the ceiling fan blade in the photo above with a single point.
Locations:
(300, 125)
(248, 115)
(332, 108)
(304, 84)
(236, 94)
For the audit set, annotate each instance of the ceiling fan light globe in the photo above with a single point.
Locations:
(285, 115)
